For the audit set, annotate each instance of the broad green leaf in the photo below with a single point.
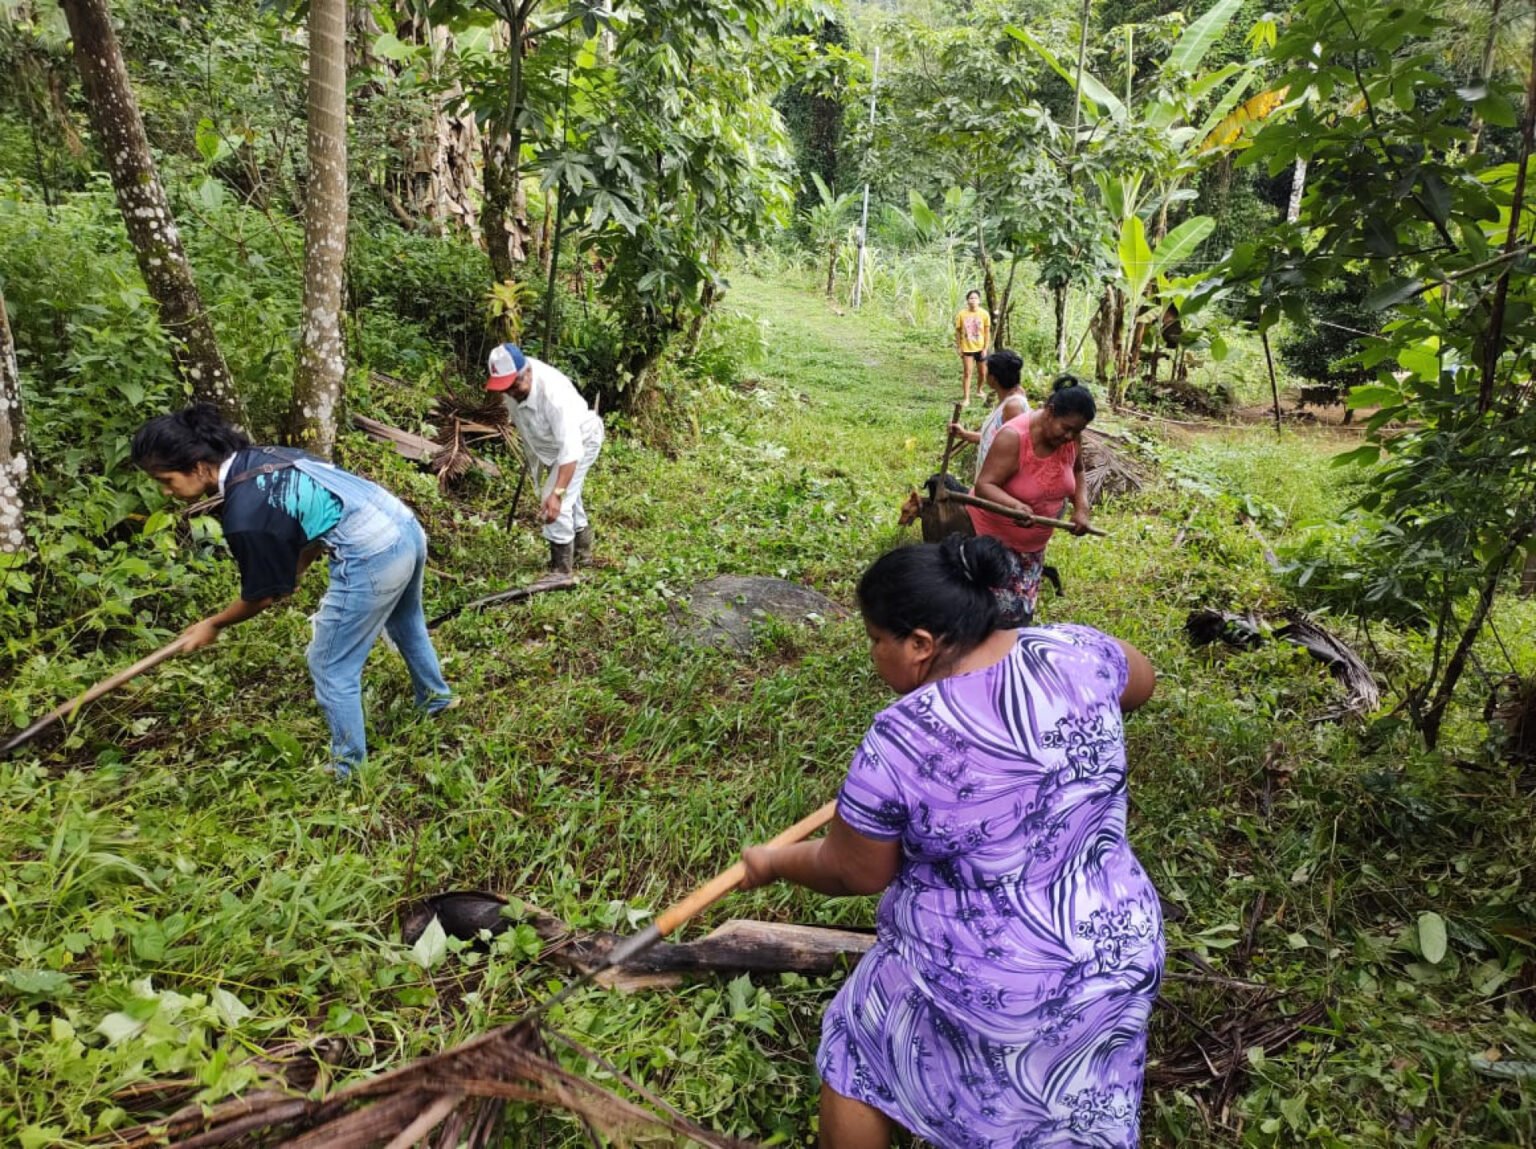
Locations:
(232, 1011)
(1505, 1070)
(1135, 256)
(40, 1136)
(827, 198)
(149, 942)
(1200, 35)
(922, 214)
(116, 1027)
(42, 982)
(1294, 1110)
(210, 193)
(1432, 937)
(432, 947)
(390, 47)
(1200, 85)
(1496, 111)
(1393, 293)
(1423, 360)
(1373, 395)
(210, 142)
(1095, 94)
(1368, 454)
(1219, 349)
(1180, 243)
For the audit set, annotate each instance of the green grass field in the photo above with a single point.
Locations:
(182, 886)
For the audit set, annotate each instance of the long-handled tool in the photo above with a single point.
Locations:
(513, 595)
(1024, 517)
(681, 912)
(517, 495)
(105, 687)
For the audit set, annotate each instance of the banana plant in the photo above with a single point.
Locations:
(828, 223)
(1140, 154)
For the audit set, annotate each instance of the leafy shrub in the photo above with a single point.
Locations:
(1342, 567)
(438, 283)
(733, 345)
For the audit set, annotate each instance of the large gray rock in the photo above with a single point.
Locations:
(722, 611)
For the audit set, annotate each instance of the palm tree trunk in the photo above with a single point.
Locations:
(13, 445)
(114, 115)
(317, 384)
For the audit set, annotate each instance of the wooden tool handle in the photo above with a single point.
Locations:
(95, 692)
(949, 446)
(1019, 516)
(723, 883)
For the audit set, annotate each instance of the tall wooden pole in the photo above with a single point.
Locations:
(858, 274)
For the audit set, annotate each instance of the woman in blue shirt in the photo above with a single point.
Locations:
(281, 509)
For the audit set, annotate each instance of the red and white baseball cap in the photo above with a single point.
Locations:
(507, 362)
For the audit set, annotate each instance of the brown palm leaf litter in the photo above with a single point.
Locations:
(1110, 467)
(463, 425)
(457, 1098)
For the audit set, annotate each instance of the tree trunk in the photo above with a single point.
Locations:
(322, 361)
(1429, 721)
(988, 276)
(114, 115)
(1001, 332)
(546, 231)
(13, 446)
(437, 180)
(831, 271)
(1298, 186)
(1103, 327)
(502, 150)
(1117, 301)
(1059, 306)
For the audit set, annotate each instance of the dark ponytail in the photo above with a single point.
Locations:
(180, 441)
(944, 588)
(1070, 396)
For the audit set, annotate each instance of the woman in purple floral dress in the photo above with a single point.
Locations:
(1005, 1002)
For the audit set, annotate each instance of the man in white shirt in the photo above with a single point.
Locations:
(561, 438)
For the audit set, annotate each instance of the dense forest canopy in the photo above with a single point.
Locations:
(744, 230)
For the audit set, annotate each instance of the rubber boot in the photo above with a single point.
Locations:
(583, 552)
(561, 559)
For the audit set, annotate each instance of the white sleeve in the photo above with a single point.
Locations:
(565, 405)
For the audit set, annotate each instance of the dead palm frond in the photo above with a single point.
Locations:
(464, 425)
(454, 1098)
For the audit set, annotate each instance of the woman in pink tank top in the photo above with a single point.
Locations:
(1035, 466)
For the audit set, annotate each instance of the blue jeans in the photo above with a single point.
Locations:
(379, 593)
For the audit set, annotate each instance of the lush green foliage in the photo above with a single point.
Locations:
(186, 887)
(1444, 245)
(183, 888)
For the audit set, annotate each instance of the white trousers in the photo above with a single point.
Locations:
(573, 516)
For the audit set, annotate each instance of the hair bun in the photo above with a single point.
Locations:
(981, 561)
(1067, 379)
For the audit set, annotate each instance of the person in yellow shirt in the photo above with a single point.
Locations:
(973, 335)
